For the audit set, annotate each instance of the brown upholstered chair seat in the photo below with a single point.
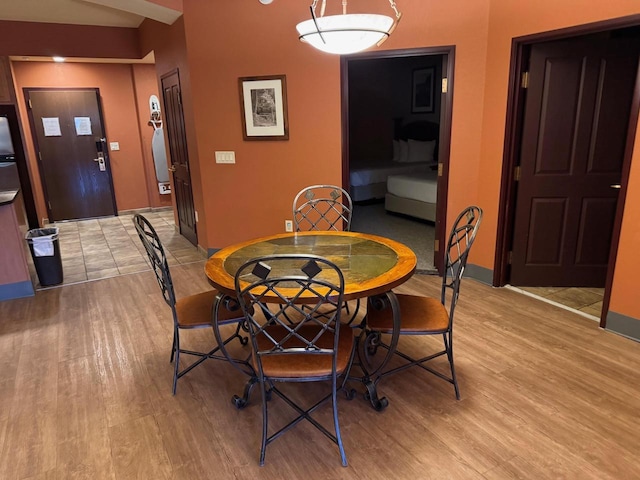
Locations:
(418, 315)
(305, 365)
(195, 310)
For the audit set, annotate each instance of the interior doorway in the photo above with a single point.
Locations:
(395, 100)
(567, 157)
(70, 144)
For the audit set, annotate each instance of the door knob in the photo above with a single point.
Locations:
(615, 185)
(172, 168)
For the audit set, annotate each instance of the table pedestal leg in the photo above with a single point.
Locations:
(370, 378)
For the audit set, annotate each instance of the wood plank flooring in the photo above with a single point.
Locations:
(85, 393)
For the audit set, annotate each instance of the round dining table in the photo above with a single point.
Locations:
(371, 265)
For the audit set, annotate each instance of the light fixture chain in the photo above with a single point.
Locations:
(395, 9)
(344, 7)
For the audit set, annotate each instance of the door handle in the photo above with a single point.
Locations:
(172, 168)
(101, 163)
(616, 186)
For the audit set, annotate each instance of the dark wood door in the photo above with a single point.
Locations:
(176, 133)
(574, 132)
(68, 133)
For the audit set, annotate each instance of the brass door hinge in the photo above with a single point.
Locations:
(525, 80)
(516, 173)
(436, 245)
(49, 205)
(30, 104)
(510, 257)
(445, 85)
(440, 169)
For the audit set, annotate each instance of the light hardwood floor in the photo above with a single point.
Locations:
(85, 392)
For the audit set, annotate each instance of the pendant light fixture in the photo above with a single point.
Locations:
(346, 33)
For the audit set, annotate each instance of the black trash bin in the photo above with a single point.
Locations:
(45, 251)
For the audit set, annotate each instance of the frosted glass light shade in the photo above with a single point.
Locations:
(345, 34)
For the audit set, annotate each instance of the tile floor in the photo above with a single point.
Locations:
(107, 247)
(585, 300)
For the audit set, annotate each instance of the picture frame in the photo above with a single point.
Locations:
(263, 107)
(422, 93)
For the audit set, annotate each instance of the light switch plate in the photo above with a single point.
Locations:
(225, 157)
(114, 146)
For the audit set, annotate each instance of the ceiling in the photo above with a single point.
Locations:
(111, 13)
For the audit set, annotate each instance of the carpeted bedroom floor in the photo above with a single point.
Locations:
(416, 234)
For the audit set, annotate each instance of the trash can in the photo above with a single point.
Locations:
(45, 251)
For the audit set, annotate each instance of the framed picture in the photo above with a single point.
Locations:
(422, 91)
(263, 103)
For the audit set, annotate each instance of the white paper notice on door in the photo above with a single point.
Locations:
(83, 125)
(51, 126)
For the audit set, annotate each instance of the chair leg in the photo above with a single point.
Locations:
(448, 345)
(177, 361)
(336, 425)
(263, 447)
(173, 347)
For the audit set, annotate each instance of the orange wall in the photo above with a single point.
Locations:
(253, 197)
(115, 82)
(145, 85)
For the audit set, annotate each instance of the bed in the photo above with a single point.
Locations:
(368, 180)
(414, 195)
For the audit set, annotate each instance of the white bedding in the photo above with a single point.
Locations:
(377, 173)
(422, 187)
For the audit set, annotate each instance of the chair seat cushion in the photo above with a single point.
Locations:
(417, 315)
(304, 365)
(195, 310)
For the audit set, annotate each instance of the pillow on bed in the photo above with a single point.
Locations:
(400, 151)
(419, 151)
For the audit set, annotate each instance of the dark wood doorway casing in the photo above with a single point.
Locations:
(444, 142)
(75, 183)
(520, 51)
(179, 154)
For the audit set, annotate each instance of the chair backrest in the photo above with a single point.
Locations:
(157, 257)
(274, 289)
(462, 235)
(322, 207)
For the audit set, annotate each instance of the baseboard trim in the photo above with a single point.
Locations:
(481, 274)
(144, 210)
(623, 325)
(16, 290)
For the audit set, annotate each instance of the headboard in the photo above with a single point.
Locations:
(420, 130)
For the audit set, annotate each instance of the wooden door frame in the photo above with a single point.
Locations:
(520, 50)
(34, 137)
(444, 141)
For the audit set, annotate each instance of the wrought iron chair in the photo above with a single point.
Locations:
(294, 344)
(194, 311)
(425, 315)
(322, 207)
